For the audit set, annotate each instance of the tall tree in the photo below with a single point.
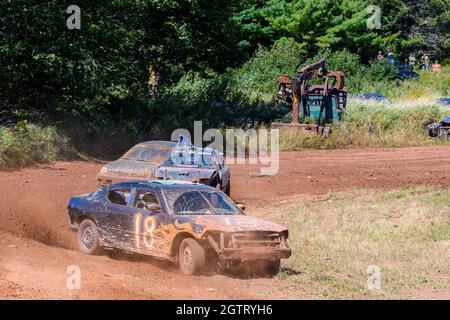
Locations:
(336, 25)
(47, 67)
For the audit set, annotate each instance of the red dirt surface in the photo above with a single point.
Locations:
(36, 247)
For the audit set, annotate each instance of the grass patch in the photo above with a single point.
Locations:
(430, 85)
(27, 143)
(373, 125)
(405, 232)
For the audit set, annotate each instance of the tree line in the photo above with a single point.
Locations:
(100, 75)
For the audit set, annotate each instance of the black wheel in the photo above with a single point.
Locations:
(87, 237)
(191, 257)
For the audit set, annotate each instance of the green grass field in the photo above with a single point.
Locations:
(405, 232)
(372, 124)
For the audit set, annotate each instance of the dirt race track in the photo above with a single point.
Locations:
(33, 207)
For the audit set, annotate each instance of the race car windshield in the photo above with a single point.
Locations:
(154, 155)
(193, 202)
(197, 159)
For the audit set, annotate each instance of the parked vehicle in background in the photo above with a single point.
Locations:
(403, 73)
(191, 224)
(440, 129)
(138, 163)
(193, 164)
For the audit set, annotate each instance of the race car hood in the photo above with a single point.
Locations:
(131, 168)
(231, 223)
(184, 173)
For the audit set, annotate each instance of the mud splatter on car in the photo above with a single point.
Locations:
(138, 163)
(191, 224)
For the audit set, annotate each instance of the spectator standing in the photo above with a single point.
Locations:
(436, 67)
(390, 55)
(411, 62)
(380, 56)
(425, 60)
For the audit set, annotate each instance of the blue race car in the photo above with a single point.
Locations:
(191, 224)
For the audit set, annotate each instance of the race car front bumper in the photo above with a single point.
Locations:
(243, 248)
(255, 254)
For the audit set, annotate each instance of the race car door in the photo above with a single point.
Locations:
(118, 218)
(148, 217)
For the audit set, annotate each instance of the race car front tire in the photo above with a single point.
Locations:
(191, 257)
(88, 238)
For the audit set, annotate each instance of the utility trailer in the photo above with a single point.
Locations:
(324, 102)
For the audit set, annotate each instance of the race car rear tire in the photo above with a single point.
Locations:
(191, 257)
(88, 238)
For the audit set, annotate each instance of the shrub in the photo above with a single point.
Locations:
(258, 76)
(27, 143)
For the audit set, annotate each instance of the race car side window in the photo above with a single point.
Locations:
(147, 200)
(119, 196)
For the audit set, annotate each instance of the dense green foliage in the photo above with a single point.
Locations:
(217, 60)
(327, 24)
(27, 143)
(102, 69)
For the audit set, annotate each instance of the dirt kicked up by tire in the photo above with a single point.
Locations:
(192, 260)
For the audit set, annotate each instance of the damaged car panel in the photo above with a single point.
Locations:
(138, 163)
(202, 165)
(188, 223)
(440, 129)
